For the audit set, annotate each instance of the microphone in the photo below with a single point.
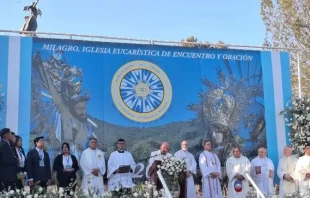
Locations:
(148, 158)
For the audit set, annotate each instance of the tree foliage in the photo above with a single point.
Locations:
(287, 26)
(193, 42)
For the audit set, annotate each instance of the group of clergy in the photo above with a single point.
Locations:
(121, 166)
(294, 173)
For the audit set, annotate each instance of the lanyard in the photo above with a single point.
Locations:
(67, 159)
(41, 154)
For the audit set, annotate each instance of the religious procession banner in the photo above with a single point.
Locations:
(68, 90)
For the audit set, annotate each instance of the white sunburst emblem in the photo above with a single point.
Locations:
(141, 91)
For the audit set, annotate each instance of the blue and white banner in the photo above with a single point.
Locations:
(15, 85)
(69, 91)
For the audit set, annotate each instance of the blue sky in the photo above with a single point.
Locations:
(234, 23)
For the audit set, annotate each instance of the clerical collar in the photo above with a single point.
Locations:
(121, 151)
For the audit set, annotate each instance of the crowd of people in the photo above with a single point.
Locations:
(294, 173)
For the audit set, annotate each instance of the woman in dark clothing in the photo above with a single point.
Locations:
(18, 144)
(66, 166)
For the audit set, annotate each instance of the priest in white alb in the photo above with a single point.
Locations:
(120, 168)
(92, 163)
(262, 172)
(191, 168)
(286, 169)
(157, 155)
(302, 172)
(237, 166)
(210, 168)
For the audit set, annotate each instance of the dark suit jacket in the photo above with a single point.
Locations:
(33, 168)
(65, 178)
(13, 148)
(8, 163)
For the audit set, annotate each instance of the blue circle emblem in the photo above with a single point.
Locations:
(142, 91)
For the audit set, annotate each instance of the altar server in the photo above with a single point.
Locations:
(262, 172)
(302, 172)
(93, 166)
(117, 159)
(286, 168)
(237, 166)
(191, 167)
(156, 155)
(210, 168)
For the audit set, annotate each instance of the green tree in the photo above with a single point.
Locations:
(287, 26)
(193, 42)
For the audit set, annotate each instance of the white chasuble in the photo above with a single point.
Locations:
(120, 180)
(156, 155)
(301, 170)
(237, 188)
(262, 172)
(90, 160)
(209, 163)
(287, 166)
(191, 166)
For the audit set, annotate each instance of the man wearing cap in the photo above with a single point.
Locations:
(8, 162)
(38, 166)
(237, 166)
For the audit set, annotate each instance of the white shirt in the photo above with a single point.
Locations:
(41, 153)
(21, 158)
(67, 161)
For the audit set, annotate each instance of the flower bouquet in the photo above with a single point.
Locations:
(141, 190)
(174, 172)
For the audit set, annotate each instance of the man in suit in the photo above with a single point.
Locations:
(38, 166)
(12, 142)
(8, 162)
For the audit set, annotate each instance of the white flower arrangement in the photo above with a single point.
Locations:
(173, 171)
(297, 117)
(173, 167)
(142, 190)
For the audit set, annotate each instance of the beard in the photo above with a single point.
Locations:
(81, 118)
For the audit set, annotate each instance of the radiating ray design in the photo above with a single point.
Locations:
(141, 90)
(231, 103)
(45, 115)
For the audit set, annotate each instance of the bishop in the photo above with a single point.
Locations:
(157, 155)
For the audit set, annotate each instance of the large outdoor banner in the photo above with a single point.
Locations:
(71, 90)
(146, 95)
